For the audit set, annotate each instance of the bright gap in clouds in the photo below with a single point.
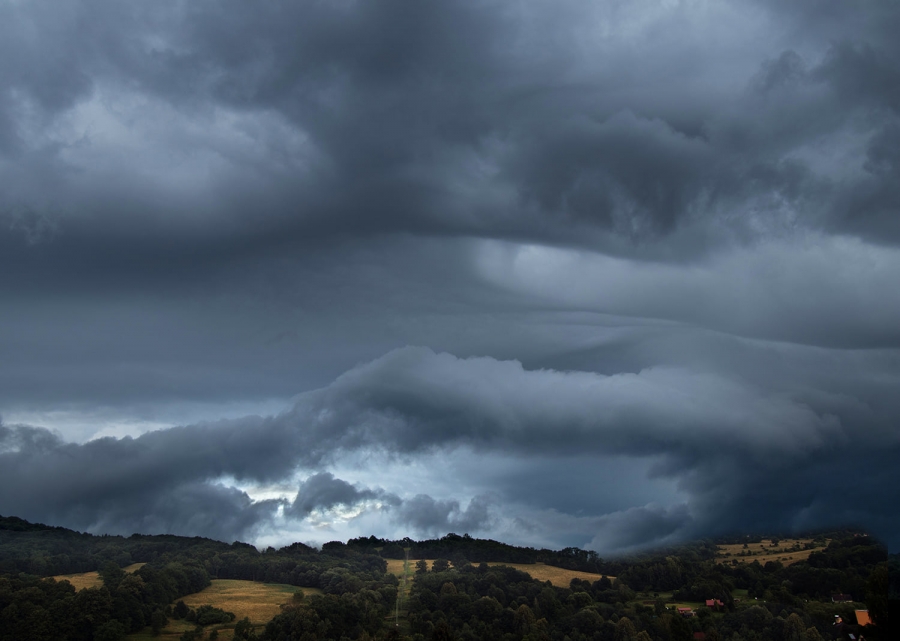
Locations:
(528, 501)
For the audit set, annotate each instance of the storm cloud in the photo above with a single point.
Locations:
(604, 274)
(735, 450)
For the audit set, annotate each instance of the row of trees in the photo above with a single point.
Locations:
(459, 547)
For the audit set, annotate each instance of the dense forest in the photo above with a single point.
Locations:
(461, 598)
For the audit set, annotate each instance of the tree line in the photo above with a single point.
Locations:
(476, 551)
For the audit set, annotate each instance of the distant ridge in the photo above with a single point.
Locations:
(37, 556)
(15, 524)
(92, 550)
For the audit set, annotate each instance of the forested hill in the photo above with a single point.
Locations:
(37, 609)
(470, 601)
(43, 550)
(46, 551)
(454, 546)
(15, 524)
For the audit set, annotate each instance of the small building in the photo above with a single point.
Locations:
(841, 598)
(715, 604)
(863, 618)
(686, 612)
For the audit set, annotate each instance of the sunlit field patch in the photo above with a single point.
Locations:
(787, 551)
(259, 602)
(92, 579)
(559, 577)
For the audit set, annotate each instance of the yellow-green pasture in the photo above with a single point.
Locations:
(259, 602)
(559, 577)
(788, 552)
(91, 579)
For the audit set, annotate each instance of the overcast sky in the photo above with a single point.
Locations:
(607, 274)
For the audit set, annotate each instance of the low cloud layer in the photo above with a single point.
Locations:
(745, 457)
(607, 274)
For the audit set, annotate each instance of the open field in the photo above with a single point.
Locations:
(395, 566)
(91, 579)
(260, 602)
(557, 576)
(788, 552)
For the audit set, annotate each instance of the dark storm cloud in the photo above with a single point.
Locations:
(681, 218)
(187, 507)
(124, 486)
(639, 527)
(432, 517)
(323, 490)
(166, 482)
(451, 117)
(162, 482)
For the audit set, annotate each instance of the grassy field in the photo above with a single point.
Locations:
(787, 552)
(260, 602)
(404, 569)
(91, 579)
(557, 576)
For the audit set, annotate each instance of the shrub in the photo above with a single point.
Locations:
(207, 615)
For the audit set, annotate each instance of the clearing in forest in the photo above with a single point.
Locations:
(92, 579)
(259, 602)
(559, 577)
(786, 551)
